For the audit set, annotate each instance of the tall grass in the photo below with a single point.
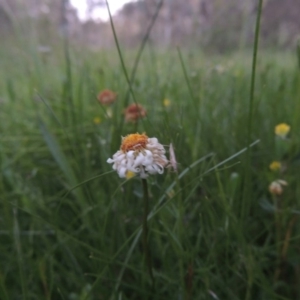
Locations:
(71, 229)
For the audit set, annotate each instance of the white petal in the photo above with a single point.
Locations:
(130, 164)
(159, 168)
(130, 154)
(148, 158)
(148, 153)
(120, 157)
(139, 159)
(123, 163)
(153, 140)
(143, 174)
(136, 169)
(151, 169)
(122, 172)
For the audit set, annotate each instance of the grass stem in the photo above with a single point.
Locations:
(145, 231)
(247, 184)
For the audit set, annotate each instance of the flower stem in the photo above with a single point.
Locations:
(145, 231)
(278, 237)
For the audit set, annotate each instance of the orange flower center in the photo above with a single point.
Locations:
(134, 142)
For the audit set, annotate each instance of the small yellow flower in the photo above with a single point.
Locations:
(167, 102)
(282, 130)
(129, 175)
(275, 166)
(97, 120)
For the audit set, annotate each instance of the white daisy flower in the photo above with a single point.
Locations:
(139, 154)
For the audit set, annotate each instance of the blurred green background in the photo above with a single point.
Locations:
(70, 228)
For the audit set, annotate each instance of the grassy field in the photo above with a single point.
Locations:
(72, 229)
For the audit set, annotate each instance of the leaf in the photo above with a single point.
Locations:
(267, 206)
(59, 157)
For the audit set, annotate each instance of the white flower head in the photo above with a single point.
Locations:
(139, 154)
(276, 187)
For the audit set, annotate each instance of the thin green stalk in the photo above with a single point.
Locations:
(298, 53)
(249, 268)
(185, 75)
(141, 49)
(120, 53)
(67, 91)
(247, 183)
(184, 245)
(130, 79)
(145, 231)
(278, 226)
(19, 255)
(115, 137)
(181, 236)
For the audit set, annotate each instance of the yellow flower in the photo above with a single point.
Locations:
(275, 166)
(282, 130)
(129, 175)
(167, 102)
(97, 120)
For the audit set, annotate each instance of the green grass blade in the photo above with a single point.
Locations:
(247, 173)
(60, 157)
